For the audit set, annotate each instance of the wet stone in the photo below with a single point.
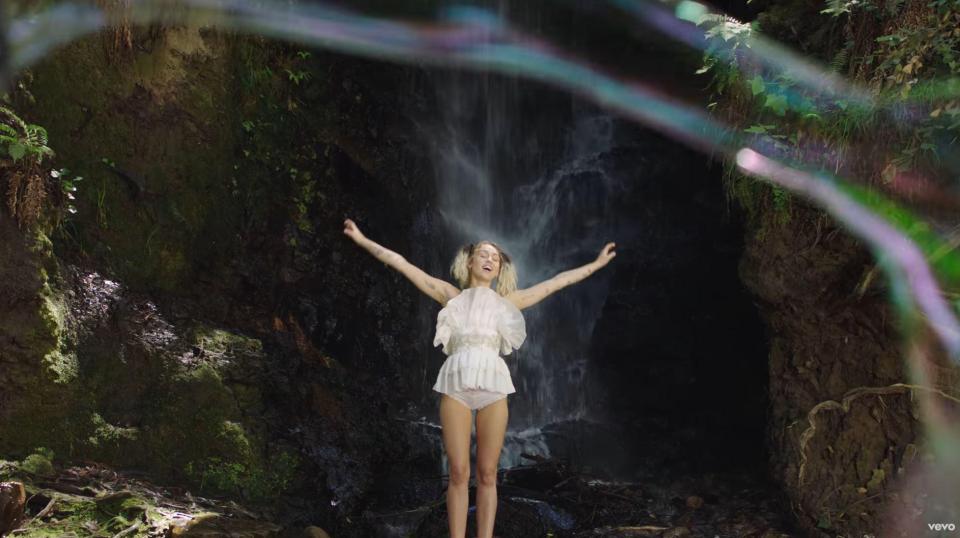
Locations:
(215, 526)
(514, 518)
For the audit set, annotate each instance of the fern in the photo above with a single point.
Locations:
(21, 139)
(26, 145)
(37, 135)
(841, 58)
(839, 7)
(14, 118)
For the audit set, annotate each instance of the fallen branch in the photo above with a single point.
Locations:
(129, 530)
(46, 510)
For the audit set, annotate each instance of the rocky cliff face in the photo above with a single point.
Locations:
(39, 367)
(202, 316)
(843, 431)
(845, 434)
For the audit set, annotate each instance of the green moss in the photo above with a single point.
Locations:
(189, 415)
(46, 337)
(45, 390)
(38, 464)
(763, 204)
(143, 507)
(81, 517)
(158, 122)
(108, 435)
(61, 365)
(165, 126)
(41, 243)
(255, 481)
(185, 412)
(224, 343)
(233, 435)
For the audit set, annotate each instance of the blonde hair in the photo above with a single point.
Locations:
(506, 280)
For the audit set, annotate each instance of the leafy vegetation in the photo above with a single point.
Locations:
(898, 124)
(39, 463)
(258, 483)
(23, 151)
(278, 77)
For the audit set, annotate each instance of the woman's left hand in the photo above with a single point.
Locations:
(606, 254)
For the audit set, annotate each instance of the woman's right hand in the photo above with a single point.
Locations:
(350, 228)
(606, 254)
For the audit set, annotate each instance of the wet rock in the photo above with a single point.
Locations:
(514, 518)
(626, 532)
(13, 499)
(216, 526)
(315, 532)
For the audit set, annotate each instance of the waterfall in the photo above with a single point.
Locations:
(537, 182)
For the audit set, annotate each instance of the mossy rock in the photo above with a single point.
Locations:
(38, 464)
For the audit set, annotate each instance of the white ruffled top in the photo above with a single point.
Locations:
(475, 328)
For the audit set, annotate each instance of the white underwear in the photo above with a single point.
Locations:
(476, 398)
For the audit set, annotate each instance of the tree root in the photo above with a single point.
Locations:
(844, 405)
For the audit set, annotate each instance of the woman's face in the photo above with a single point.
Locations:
(485, 262)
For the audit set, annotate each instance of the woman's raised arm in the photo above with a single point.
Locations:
(534, 294)
(437, 289)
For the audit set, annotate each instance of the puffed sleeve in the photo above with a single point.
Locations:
(446, 321)
(512, 328)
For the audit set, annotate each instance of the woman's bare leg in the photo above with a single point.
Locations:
(491, 428)
(455, 421)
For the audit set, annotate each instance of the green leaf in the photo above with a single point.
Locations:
(778, 103)
(17, 151)
(757, 85)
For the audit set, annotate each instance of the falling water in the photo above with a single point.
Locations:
(497, 178)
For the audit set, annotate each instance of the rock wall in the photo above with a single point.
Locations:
(38, 368)
(202, 317)
(842, 434)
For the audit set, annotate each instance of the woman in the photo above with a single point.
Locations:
(475, 324)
